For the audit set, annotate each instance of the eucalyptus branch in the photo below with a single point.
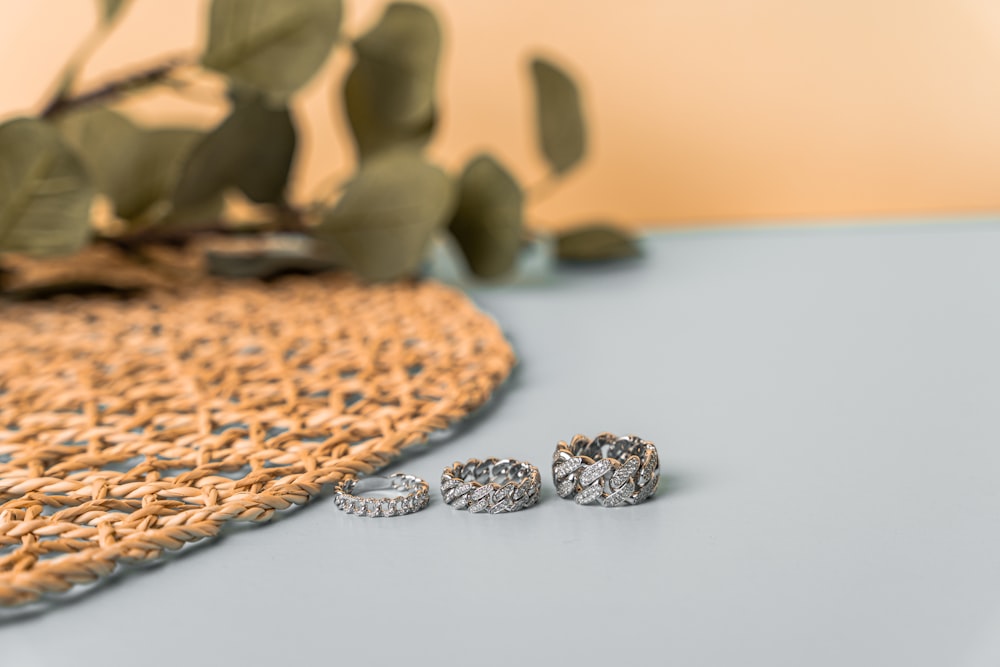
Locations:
(117, 88)
(180, 236)
(67, 77)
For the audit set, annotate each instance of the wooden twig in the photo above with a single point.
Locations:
(114, 89)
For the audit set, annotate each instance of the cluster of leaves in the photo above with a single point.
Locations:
(78, 151)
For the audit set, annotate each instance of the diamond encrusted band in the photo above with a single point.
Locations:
(610, 470)
(493, 485)
(416, 494)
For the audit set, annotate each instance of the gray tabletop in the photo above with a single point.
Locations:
(825, 402)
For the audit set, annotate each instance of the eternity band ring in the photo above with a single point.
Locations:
(493, 486)
(349, 495)
(610, 470)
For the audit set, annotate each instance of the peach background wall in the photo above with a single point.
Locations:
(700, 110)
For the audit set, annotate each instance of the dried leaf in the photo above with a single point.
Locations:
(95, 267)
(45, 193)
(389, 93)
(110, 9)
(388, 214)
(134, 166)
(488, 218)
(271, 45)
(252, 149)
(560, 118)
(596, 242)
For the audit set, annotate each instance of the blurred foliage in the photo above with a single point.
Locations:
(269, 45)
(45, 192)
(169, 184)
(251, 150)
(488, 219)
(388, 214)
(560, 119)
(135, 167)
(389, 93)
(596, 242)
(109, 9)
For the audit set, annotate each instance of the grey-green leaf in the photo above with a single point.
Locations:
(110, 9)
(595, 243)
(252, 149)
(271, 45)
(389, 93)
(164, 154)
(387, 215)
(109, 144)
(134, 166)
(488, 218)
(45, 193)
(561, 129)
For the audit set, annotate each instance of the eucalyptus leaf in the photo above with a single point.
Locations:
(110, 9)
(389, 93)
(165, 154)
(271, 45)
(252, 149)
(203, 214)
(560, 118)
(45, 192)
(388, 214)
(488, 217)
(596, 242)
(109, 144)
(134, 166)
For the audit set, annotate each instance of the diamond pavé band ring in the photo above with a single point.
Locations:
(611, 470)
(349, 495)
(493, 486)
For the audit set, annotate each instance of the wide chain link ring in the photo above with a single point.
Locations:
(493, 486)
(610, 470)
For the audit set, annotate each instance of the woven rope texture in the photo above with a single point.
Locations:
(129, 427)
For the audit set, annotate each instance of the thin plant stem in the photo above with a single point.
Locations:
(115, 89)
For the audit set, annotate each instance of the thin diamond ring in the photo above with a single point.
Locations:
(493, 486)
(610, 470)
(349, 495)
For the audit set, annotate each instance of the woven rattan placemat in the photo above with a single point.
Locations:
(130, 427)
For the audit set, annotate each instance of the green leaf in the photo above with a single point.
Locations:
(203, 214)
(389, 93)
(165, 154)
(560, 118)
(596, 243)
(45, 193)
(489, 217)
(109, 145)
(134, 166)
(388, 214)
(271, 45)
(110, 9)
(252, 149)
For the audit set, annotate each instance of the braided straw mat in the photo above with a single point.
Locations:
(130, 427)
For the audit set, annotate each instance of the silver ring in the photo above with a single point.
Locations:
(493, 485)
(348, 495)
(610, 470)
